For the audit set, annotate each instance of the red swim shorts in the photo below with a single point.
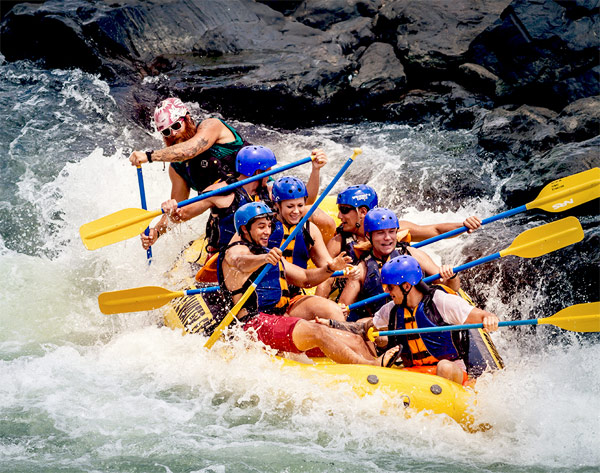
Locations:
(276, 332)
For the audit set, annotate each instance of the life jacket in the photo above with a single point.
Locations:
(297, 252)
(348, 242)
(220, 227)
(217, 162)
(372, 284)
(426, 348)
(270, 296)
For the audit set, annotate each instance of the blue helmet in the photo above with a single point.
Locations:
(254, 158)
(401, 269)
(248, 212)
(380, 218)
(358, 196)
(287, 188)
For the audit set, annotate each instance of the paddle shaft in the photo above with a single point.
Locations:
(458, 231)
(191, 292)
(429, 279)
(243, 182)
(450, 328)
(143, 199)
(560, 197)
(240, 304)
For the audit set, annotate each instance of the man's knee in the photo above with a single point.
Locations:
(307, 335)
(447, 369)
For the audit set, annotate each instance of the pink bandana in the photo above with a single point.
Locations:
(168, 112)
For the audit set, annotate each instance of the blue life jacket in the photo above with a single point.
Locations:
(372, 284)
(425, 348)
(270, 296)
(220, 227)
(298, 251)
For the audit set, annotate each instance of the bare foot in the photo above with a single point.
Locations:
(389, 357)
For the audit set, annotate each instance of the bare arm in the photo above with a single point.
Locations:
(207, 134)
(480, 316)
(311, 277)
(423, 232)
(240, 258)
(318, 253)
(334, 247)
(353, 286)
(319, 159)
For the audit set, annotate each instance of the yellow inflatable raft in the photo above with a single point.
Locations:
(407, 390)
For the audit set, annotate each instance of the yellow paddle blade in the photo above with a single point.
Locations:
(546, 238)
(568, 192)
(135, 300)
(116, 227)
(577, 318)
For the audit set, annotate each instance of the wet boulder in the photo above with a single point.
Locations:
(433, 36)
(517, 132)
(380, 72)
(322, 14)
(560, 161)
(579, 120)
(544, 52)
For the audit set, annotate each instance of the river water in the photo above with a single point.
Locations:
(81, 391)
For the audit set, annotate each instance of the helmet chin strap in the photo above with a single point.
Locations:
(250, 239)
(404, 294)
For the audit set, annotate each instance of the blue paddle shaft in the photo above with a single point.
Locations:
(458, 231)
(143, 199)
(450, 328)
(235, 185)
(428, 279)
(191, 292)
(302, 222)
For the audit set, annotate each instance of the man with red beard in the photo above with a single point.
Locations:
(199, 154)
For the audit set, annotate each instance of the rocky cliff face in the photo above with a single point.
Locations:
(523, 74)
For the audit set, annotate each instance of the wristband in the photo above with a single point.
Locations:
(157, 232)
(453, 277)
(149, 155)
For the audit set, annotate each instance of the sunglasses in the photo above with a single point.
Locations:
(345, 210)
(175, 126)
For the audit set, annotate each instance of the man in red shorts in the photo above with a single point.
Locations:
(283, 324)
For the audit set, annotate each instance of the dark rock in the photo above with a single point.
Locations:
(415, 107)
(518, 133)
(545, 52)
(433, 36)
(478, 79)
(240, 54)
(563, 160)
(287, 7)
(322, 14)
(350, 58)
(580, 120)
(352, 35)
(380, 71)
(446, 104)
